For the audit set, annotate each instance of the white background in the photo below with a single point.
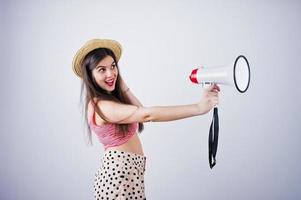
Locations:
(43, 147)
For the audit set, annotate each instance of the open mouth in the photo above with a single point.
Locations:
(110, 82)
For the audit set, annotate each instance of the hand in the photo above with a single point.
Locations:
(209, 99)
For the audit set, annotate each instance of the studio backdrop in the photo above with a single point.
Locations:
(43, 143)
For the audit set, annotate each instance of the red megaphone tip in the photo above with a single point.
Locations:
(193, 76)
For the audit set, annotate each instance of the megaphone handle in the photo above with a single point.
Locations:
(206, 85)
(213, 138)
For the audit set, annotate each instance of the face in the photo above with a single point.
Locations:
(105, 73)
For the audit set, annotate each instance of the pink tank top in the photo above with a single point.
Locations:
(107, 133)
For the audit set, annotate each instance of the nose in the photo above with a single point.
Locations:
(109, 73)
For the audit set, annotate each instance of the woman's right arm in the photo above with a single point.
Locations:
(124, 113)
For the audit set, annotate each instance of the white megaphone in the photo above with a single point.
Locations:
(236, 74)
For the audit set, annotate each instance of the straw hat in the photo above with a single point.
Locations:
(90, 46)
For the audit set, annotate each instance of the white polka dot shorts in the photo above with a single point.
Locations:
(120, 176)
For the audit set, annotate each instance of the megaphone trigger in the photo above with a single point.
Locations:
(206, 85)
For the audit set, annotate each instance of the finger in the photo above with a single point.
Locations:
(216, 87)
(210, 87)
(213, 93)
(215, 101)
(215, 98)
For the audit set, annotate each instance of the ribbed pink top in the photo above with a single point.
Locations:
(107, 133)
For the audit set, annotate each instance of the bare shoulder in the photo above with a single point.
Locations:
(98, 119)
(90, 107)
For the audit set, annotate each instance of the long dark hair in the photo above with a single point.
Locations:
(93, 90)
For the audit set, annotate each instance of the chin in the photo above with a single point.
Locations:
(111, 89)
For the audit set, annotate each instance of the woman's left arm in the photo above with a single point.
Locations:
(133, 98)
(130, 95)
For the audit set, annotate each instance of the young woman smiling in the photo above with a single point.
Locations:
(115, 115)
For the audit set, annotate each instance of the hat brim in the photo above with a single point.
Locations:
(90, 46)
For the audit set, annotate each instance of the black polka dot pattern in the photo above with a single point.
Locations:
(120, 176)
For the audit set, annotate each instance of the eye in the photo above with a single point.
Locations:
(113, 66)
(101, 70)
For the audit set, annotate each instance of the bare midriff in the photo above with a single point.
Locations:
(133, 145)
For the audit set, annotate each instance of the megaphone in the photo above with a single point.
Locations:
(236, 74)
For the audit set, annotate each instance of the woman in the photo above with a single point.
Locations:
(114, 114)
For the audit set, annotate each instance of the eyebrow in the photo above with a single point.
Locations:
(104, 66)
